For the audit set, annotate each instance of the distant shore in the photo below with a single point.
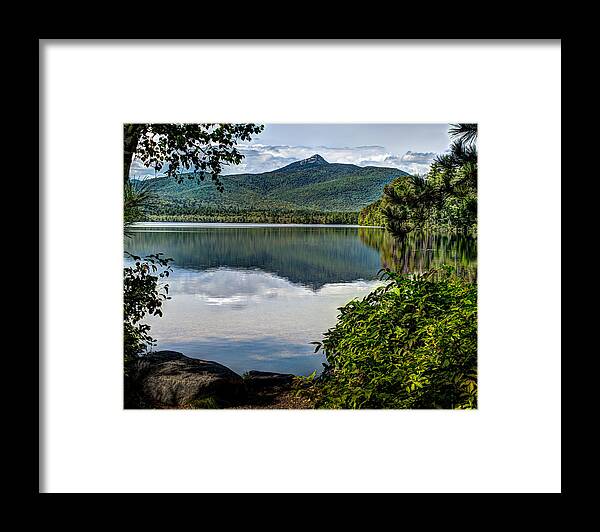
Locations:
(147, 225)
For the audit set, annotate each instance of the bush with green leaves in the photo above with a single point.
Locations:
(143, 294)
(411, 343)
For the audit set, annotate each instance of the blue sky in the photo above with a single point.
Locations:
(410, 147)
(398, 138)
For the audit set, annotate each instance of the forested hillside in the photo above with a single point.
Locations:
(312, 186)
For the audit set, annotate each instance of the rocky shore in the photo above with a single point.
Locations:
(168, 379)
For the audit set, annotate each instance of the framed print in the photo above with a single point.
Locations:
(330, 254)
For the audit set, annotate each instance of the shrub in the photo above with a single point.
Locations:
(411, 343)
(143, 294)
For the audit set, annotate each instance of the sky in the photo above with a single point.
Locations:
(409, 147)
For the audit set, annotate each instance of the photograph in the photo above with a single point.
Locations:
(300, 265)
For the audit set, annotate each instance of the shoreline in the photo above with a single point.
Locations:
(150, 225)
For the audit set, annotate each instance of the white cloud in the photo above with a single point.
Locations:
(265, 158)
(236, 305)
(138, 170)
(411, 162)
(260, 158)
(418, 157)
(237, 287)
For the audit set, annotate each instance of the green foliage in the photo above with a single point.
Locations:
(143, 293)
(180, 147)
(273, 216)
(372, 215)
(453, 178)
(136, 201)
(406, 204)
(409, 344)
(445, 197)
(466, 134)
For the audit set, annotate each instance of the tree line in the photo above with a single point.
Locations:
(279, 216)
(445, 197)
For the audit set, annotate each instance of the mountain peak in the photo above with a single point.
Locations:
(313, 159)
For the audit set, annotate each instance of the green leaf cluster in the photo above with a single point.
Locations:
(204, 148)
(410, 344)
(143, 294)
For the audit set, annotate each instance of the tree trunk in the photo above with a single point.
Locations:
(131, 136)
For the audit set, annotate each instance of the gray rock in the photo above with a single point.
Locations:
(256, 380)
(170, 378)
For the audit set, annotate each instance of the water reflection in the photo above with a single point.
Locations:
(250, 319)
(421, 251)
(254, 297)
(311, 256)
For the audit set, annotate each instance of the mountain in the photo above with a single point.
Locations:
(312, 162)
(310, 184)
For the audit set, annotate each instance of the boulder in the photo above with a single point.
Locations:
(258, 380)
(170, 378)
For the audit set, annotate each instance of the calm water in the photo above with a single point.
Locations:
(254, 296)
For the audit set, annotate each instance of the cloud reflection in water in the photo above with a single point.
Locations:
(250, 319)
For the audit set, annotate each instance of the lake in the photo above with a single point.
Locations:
(253, 296)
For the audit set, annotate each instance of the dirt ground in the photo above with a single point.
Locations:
(274, 399)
